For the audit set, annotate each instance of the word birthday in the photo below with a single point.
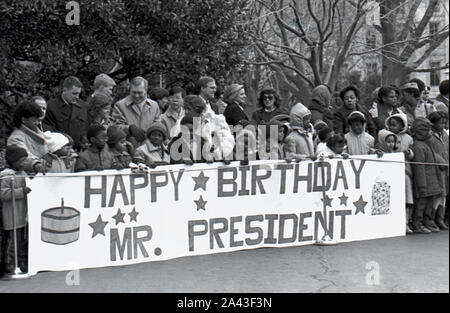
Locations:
(231, 181)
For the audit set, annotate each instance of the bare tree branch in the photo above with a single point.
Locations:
(426, 70)
(311, 12)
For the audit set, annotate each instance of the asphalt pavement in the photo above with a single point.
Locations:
(414, 263)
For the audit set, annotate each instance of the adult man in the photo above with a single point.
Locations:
(441, 101)
(103, 84)
(410, 104)
(208, 89)
(136, 113)
(68, 113)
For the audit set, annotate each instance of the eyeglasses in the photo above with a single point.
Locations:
(268, 97)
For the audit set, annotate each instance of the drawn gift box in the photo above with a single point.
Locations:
(60, 225)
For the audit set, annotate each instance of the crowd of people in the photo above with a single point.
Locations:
(157, 127)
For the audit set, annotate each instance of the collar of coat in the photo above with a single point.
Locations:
(36, 136)
(300, 130)
(151, 148)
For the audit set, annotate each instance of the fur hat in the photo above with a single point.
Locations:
(14, 153)
(157, 127)
(115, 135)
(55, 141)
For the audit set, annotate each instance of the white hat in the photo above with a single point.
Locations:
(55, 141)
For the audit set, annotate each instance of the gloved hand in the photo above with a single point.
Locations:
(26, 190)
(137, 133)
(379, 153)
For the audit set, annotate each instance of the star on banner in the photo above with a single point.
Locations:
(343, 199)
(119, 217)
(360, 205)
(200, 204)
(98, 226)
(327, 201)
(133, 215)
(200, 181)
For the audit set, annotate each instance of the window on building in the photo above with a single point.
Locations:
(434, 27)
(372, 68)
(371, 40)
(435, 76)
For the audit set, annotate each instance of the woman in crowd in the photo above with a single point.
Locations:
(270, 106)
(386, 105)
(320, 106)
(234, 114)
(161, 96)
(350, 96)
(100, 111)
(28, 135)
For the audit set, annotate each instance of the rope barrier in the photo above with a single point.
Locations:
(162, 167)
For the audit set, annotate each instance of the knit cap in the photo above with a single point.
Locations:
(421, 127)
(55, 141)
(115, 134)
(13, 153)
(157, 127)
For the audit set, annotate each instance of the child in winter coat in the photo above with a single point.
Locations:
(324, 135)
(387, 141)
(398, 124)
(16, 158)
(274, 149)
(335, 146)
(358, 141)
(428, 189)
(57, 161)
(96, 157)
(299, 143)
(439, 143)
(153, 152)
(121, 151)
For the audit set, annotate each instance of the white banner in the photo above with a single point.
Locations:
(87, 220)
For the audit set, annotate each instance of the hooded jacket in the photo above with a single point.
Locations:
(404, 139)
(362, 143)
(381, 144)
(427, 177)
(319, 106)
(299, 143)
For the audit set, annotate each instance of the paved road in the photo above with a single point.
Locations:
(416, 263)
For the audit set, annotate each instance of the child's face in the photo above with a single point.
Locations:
(390, 143)
(306, 120)
(20, 164)
(329, 136)
(121, 145)
(395, 125)
(64, 151)
(100, 140)
(357, 127)
(281, 134)
(176, 101)
(156, 138)
(339, 147)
